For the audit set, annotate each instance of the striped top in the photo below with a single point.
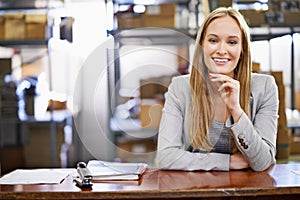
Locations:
(220, 139)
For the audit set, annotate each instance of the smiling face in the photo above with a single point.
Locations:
(222, 43)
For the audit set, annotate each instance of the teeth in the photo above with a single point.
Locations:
(220, 60)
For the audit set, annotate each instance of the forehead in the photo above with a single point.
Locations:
(224, 25)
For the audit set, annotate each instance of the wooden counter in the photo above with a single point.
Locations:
(278, 182)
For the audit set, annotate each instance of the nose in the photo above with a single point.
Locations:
(221, 50)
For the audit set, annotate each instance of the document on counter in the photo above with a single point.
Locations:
(109, 171)
(296, 172)
(36, 176)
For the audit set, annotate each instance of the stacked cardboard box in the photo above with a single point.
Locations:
(255, 67)
(160, 15)
(295, 144)
(283, 133)
(14, 26)
(137, 150)
(150, 113)
(1, 27)
(254, 17)
(280, 13)
(20, 26)
(183, 59)
(155, 16)
(37, 150)
(225, 3)
(35, 26)
(152, 92)
(11, 158)
(154, 87)
(297, 100)
(129, 20)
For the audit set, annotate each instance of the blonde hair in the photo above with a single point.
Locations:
(201, 109)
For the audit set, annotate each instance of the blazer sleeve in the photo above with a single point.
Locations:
(256, 139)
(172, 136)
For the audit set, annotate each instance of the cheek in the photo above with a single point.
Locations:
(208, 49)
(236, 52)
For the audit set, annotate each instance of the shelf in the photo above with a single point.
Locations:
(38, 42)
(267, 33)
(147, 2)
(6, 5)
(153, 36)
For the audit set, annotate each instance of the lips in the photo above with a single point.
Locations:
(221, 60)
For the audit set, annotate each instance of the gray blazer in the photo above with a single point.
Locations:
(255, 138)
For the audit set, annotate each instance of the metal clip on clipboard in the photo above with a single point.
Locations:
(85, 177)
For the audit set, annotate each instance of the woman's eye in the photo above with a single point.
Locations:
(232, 42)
(212, 40)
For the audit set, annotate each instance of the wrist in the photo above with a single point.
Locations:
(236, 114)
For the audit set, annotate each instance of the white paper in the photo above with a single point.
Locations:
(36, 176)
(296, 172)
(102, 170)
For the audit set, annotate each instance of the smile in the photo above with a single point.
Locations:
(221, 60)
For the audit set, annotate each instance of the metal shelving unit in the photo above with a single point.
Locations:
(44, 6)
(268, 33)
(143, 37)
(131, 129)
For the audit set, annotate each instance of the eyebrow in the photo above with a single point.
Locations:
(231, 36)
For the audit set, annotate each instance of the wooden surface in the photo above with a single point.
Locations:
(278, 182)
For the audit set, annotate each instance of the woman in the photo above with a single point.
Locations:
(221, 116)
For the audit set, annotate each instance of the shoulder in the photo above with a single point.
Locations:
(181, 78)
(263, 88)
(181, 82)
(180, 88)
(262, 81)
(261, 77)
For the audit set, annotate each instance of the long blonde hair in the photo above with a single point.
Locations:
(201, 109)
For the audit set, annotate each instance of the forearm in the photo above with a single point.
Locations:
(259, 151)
(179, 159)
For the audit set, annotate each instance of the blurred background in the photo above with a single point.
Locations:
(85, 79)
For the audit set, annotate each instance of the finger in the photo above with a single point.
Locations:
(225, 86)
(220, 77)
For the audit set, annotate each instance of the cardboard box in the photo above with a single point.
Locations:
(11, 158)
(37, 152)
(292, 18)
(183, 59)
(1, 27)
(253, 17)
(295, 144)
(161, 10)
(129, 21)
(154, 87)
(255, 67)
(139, 150)
(278, 75)
(283, 143)
(297, 100)
(162, 15)
(274, 5)
(14, 26)
(35, 26)
(150, 113)
(166, 21)
(5, 66)
(225, 3)
(10, 63)
(281, 94)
